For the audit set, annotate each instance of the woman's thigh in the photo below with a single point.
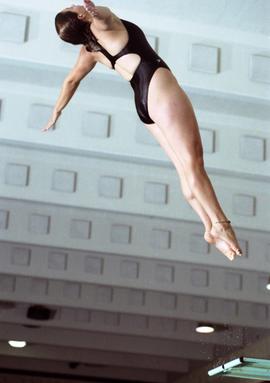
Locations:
(169, 150)
(170, 109)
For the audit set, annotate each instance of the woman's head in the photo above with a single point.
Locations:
(73, 26)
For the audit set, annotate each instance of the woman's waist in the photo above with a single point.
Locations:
(145, 71)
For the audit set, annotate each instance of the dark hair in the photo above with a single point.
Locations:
(75, 31)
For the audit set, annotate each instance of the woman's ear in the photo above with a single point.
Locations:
(85, 16)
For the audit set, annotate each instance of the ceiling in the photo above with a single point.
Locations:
(249, 15)
(93, 226)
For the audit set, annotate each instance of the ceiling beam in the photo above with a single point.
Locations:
(94, 357)
(58, 369)
(110, 342)
(125, 324)
(112, 301)
(121, 267)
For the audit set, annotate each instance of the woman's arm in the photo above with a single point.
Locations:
(102, 16)
(83, 66)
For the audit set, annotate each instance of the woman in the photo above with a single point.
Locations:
(161, 104)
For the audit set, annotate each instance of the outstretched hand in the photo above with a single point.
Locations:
(52, 121)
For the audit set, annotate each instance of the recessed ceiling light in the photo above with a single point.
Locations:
(17, 344)
(268, 286)
(205, 329)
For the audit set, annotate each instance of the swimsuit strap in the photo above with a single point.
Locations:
(111, 58)
(123, 51)
(132, 45)
(103, 50)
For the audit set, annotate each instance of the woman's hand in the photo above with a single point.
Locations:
(90, 7)
(52, 121)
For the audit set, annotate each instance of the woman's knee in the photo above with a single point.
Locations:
(193, 160)
(188, 194)
(186, 190)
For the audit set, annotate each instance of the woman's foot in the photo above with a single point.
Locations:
(223, 237)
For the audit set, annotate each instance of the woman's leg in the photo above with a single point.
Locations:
(172, 112)
(189, 196)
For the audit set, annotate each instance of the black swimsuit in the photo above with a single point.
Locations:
(149, 63)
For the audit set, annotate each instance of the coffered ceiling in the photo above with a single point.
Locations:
(93, 225)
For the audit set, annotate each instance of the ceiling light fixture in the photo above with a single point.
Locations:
(205, 328)
(17, 344)
(268, 284)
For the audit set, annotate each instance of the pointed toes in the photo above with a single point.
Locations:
(230, 255)
(239, 252)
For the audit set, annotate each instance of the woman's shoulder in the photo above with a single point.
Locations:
(86, 56)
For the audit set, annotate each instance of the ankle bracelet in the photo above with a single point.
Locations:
(225, 221)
